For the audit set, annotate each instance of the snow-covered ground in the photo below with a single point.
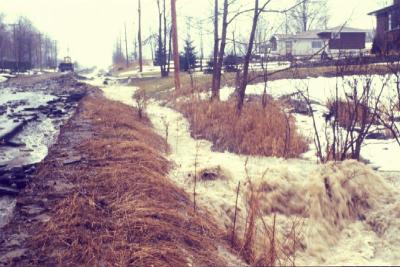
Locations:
(148, 71)
(154, 71)
(350, 214)
(5, 76)
(381, 154)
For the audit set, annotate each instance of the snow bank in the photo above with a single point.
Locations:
(147, 71)
(350, 213)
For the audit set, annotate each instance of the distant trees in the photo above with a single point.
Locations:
(118, 55)
(308, 15)
(22, 46)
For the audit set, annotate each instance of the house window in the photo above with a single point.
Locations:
(316, 44)
(274, 44)
(336, 35)
(390, 22)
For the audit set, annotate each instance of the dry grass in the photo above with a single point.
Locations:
(266, 240)
(257, 131)
(124, 210)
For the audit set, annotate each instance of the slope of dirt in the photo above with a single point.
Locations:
(101, 198)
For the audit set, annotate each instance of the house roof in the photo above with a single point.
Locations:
(315, 33)
(300, 35)
(384, 10)
(342, 29)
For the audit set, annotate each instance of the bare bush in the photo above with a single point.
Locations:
(265, 244)
(354, 110)
(140, 99)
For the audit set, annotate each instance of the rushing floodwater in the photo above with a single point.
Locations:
(37, 136)
(349, 213)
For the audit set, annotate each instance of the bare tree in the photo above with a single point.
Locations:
(161, 54)
(19, 45)
(243, 85)
(126, 47)
(221, 53)
(308, 14)
(215, 91)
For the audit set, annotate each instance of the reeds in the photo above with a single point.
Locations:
(257, 131)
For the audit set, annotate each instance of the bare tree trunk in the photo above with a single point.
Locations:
(222, 47)
(175, 45)
(243, 85)
(201, 46)
(126, 48)
(304, 16)
(140, 38)
(215, 92)
(166, 71)
(169, 51)
(160, 52)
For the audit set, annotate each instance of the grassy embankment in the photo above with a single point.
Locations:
(120, 209)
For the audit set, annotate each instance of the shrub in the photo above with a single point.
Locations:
(257, 131)
(349, 113)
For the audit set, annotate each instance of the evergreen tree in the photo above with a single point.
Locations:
(188, 57)
(160, 58)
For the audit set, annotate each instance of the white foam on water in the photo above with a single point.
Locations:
(350, 213)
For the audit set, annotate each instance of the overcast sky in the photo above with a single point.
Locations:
(89, 28)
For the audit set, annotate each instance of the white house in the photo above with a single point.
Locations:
(298, 45)
(335, 41)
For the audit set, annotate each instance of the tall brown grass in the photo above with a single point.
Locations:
(267, 243)
(123, 211)
(257, 131)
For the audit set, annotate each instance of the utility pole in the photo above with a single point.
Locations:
(40, 51)
(126, 48)
(140, 38)
(201, 46)
(175, 45)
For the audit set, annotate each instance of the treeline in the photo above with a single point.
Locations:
(24, 47)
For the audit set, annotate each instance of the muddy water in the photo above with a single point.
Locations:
(348, 213)
(35, 138)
